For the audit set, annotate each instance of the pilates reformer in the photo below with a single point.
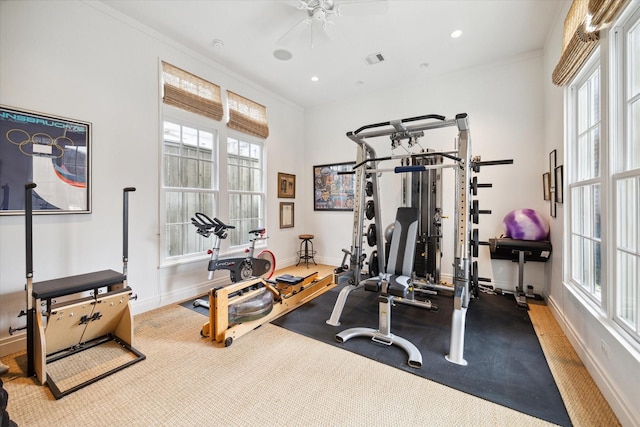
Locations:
(421, 189)
(67, 328)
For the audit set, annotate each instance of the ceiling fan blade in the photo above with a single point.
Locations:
(361, 7)
(295, 4)
(287, 36)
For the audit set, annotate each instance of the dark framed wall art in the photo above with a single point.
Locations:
(559, 178)
(546, 186)
(334, 187)
(51, 151)
(286, 186)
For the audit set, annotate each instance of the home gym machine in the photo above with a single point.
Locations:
(67, 328)
(421, 169)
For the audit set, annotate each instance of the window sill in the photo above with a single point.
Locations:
(624, 338)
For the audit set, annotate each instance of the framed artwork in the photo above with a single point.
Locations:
(553, 183)
(287, 215)
(552, 168)
(334, 187)
(286, 186)
(51, 151)
(559, 182)
(546, 186)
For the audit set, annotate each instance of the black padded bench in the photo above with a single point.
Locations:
(520, 251)
(75, 284)
(288, 279)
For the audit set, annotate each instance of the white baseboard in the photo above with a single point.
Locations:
(13, 344)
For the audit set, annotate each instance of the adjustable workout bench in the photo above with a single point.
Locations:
(395, 286)
(521, 251)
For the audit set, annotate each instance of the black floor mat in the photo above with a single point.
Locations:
(506, 364)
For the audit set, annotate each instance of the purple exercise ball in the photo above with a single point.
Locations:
(525, 224)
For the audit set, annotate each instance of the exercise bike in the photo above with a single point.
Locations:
(241, 268)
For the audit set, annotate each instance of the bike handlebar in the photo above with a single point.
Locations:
(203, 221)
(204, 224)
(223, 225)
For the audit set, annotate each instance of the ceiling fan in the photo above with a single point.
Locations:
(320, 13)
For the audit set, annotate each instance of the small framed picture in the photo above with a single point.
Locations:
(559, 181)
(552, 167)
(546, 186)
(287, 215)
(286, 186)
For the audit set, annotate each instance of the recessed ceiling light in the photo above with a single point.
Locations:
(456, 34)
(282, 55)
(315, 78)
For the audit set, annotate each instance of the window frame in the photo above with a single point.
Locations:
(575, 181)
(621, 170)
(193, 120)
(243, 240)
(612, 59)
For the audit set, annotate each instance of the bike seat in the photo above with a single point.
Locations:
(257, 231)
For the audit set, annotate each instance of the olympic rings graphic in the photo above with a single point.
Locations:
(58, 144)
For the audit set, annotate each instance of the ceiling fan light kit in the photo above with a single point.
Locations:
(320, 11)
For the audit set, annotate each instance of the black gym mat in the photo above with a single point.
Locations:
(506, 364)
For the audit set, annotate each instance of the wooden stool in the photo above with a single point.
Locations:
(306, 251)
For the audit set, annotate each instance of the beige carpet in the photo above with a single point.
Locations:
(272, 376)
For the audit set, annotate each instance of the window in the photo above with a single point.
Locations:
(585, 185)
(193, 174)
(189, 184)
(603, 164)
(626, 179)
(245, 187)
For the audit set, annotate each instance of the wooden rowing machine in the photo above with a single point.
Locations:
(288, 293)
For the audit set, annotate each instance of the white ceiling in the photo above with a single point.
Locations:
(406, 33)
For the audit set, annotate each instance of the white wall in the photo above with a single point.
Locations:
(74, 59)
(611, 361)
(81, 61)
(505, 106)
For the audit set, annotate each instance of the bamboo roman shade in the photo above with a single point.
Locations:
(581, 34)
(247, 116)
(189, 92)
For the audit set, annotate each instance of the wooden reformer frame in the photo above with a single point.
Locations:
(287, 295)
(69, 327)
